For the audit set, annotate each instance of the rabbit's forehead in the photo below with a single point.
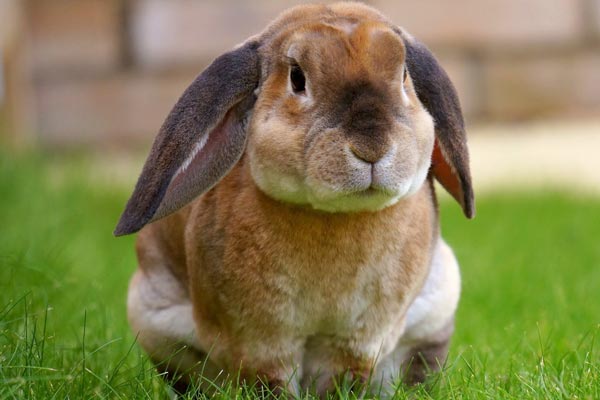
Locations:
(347, 46)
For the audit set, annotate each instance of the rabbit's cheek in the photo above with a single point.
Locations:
(406, 172)
(424, 135)
(394, 172)
(331, 168)
(279, 185)
(275, 161)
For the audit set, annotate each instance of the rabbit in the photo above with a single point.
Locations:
(289, 231)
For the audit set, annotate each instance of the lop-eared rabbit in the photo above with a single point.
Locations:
(289, 225)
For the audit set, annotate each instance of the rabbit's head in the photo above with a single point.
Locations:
(334, 107)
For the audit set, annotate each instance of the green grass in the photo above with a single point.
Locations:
(526, 328)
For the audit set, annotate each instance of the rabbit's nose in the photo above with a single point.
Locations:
(369, 154)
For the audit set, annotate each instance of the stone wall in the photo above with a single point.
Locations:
(106, 72)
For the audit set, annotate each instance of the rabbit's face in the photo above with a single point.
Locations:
(337, 123)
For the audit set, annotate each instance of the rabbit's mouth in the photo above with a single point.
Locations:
(371, 187)
(357, 186)
(371, 198)
(336, 175)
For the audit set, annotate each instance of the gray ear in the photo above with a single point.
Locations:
(199, 142)
(450, 160)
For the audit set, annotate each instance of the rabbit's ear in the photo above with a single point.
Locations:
(199, 142)
(450, 160)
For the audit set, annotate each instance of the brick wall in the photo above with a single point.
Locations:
(106, 72)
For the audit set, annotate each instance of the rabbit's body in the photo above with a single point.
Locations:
(308, 245)
(272, 281)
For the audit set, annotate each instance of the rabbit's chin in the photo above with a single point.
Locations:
(368, 200)
(323, 197)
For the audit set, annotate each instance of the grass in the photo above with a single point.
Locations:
(527, 327)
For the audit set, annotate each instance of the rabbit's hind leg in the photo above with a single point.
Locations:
(160, 315)
(430, 319)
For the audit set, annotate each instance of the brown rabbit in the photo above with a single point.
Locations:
(294, 233)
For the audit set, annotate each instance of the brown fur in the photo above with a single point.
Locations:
(305, 257)
(233, 251)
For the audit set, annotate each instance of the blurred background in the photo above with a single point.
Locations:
(103, 74)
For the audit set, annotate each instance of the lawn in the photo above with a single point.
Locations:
(527, 325)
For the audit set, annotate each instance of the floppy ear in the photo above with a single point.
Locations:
(450, 159)
(199, 142)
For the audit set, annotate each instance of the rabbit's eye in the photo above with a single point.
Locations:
(405, 74)
(297, 78)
